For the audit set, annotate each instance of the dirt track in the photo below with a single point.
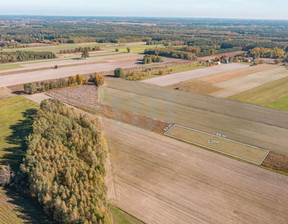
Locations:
(161, 180)
(184, 76)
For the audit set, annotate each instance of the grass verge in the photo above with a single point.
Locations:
(121, 217)
(15, 125)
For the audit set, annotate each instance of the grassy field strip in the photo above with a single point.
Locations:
(219, 144)
(11, 113)
(281, 104)
(264, 94)
(58, 47)
(243, 85)
(12, 66)
(9, 66)
(221, 77)
(134, 49)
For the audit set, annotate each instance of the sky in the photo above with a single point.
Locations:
(247, 9)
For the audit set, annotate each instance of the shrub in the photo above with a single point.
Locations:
(79, 79)
(98, 79)
(118, 72)
(161, 72)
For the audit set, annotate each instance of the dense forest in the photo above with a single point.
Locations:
(15, 56)
(18, 31)
(64, 165)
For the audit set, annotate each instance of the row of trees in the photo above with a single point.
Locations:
(172, 53)
(65, 165)
(37, 87)
(266, 52)
(148, 59)
(14, 56)
(79, 49)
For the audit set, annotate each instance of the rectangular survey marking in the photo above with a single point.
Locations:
(220, 144)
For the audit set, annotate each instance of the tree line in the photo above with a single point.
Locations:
(15, 56)
(79, 49)
(38, 87)
(172, 53)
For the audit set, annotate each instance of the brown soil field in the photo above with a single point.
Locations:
(236, 73)
(276, 162)
(71, 67)
(85, 97)
(161, 180)
(5, 93)
(218, 144)
(184, 76)
(246, 123)
(196, 86)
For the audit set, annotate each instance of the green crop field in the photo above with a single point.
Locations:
(219, 144)
(105, 46)
(264, 94)
(134, 49)
(14, 127)
(281, 104)
(58, 47)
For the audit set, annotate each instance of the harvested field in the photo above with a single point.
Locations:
(281, 104)
(196, 86)
(161, 180)
(221, 77)
(265, 94)
(250, 124)
(37, 72)
(219, 144)
(245, 83)
(184, 76)
(5, 93)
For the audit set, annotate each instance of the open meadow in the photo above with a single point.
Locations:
(15, 125)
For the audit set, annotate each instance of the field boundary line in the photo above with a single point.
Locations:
(207, 147)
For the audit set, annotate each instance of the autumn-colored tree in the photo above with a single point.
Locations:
(79, 79)
(98, 79)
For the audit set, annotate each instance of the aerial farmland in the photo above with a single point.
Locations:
(103, 124)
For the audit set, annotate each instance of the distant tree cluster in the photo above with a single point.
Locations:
(38, 87)
(172, 53)
(79, 49)
(168, 43)
(64, 165)
(266, 52)
(148, 59)
(14, 56)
